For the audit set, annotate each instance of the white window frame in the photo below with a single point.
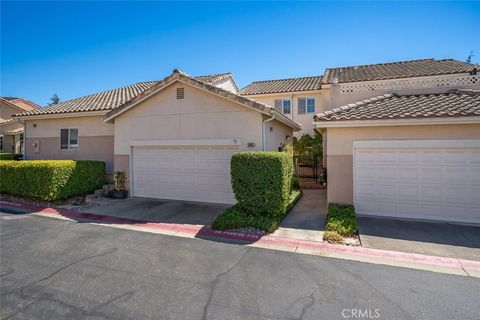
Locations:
(306, 105)
(69, 146)
(283, 106)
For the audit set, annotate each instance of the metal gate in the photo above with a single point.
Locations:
(307, 167)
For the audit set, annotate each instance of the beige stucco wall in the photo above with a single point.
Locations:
(226, 84)
(277, 134)
(306, 120)
(7, 111)
(200, 115)
(333, 97)
(340, 149)
(87, 126)
(95, 139)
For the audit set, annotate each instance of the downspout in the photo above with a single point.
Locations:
(264, 134)
(24, 139)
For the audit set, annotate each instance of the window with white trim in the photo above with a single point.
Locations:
(285, 105)
(68, 138)
(306, 105)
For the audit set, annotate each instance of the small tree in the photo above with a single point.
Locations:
(308, 145)
(470, 56)
(54, 100)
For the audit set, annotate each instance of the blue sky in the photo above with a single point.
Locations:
(78, 48)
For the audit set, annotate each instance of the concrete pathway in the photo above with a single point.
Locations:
(306, 221)
(163, 211)
(423, 237)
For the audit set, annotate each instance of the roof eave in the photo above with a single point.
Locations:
(60, 115)
(396, 122)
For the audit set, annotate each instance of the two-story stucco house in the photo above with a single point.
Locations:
(11, 130)
(403, 139)
(400, 139)
(173, 138)
(298, 98)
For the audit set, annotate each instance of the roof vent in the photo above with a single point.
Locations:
(180, 93)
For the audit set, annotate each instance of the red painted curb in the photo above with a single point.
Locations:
(202, 231)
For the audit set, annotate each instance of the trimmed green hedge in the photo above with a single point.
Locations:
(235, 218)
(51, 179)
(262, 182)
(341, 218)
(9, 156)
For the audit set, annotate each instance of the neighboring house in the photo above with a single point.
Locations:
(298, 98)
(173, 138)
(12, 131)
(403, 139)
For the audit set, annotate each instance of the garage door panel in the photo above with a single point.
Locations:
(422, 183)
(183, 173)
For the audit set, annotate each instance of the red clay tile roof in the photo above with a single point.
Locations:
(215, 78)
(179, 75)
(394, 70)
(282, 85)
(454, 103)
(107, 100)
(17, 102)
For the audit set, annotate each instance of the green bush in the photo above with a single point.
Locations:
(262, 182)
(9, 156)
(235, 218)
(51, 179)
(295, 182)
(341, 219)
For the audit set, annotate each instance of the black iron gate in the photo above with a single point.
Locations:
(308, 167)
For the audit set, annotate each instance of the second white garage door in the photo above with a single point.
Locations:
(438, 180)
(183, 173)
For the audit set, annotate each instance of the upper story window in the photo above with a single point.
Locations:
(306, 105)
(68, 138)
(284, 104)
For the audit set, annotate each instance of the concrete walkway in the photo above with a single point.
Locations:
(423, 237)
(163, 211)
(306, 221)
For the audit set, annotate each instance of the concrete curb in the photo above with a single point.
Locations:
(411, 260)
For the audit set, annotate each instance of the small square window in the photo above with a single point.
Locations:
(287, 106)
(68, 138)
(310, 105)
(302, 105)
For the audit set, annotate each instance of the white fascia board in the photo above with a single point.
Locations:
(394, 122)
(267, 112)
(61, 115)
(278, 94)
(189, 142)
(456, 143)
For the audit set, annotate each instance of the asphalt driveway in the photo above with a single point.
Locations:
(431, 238)
(166, 211)
(54, 269)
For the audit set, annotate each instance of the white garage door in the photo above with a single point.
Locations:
(437, 180)
(183, 173)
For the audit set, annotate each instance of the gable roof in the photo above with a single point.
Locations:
(20, 103)
(453, 103)
(179, 75)
(282, 85)
(107, 100)
(394, 70)
(215, 78)
(102, 101)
